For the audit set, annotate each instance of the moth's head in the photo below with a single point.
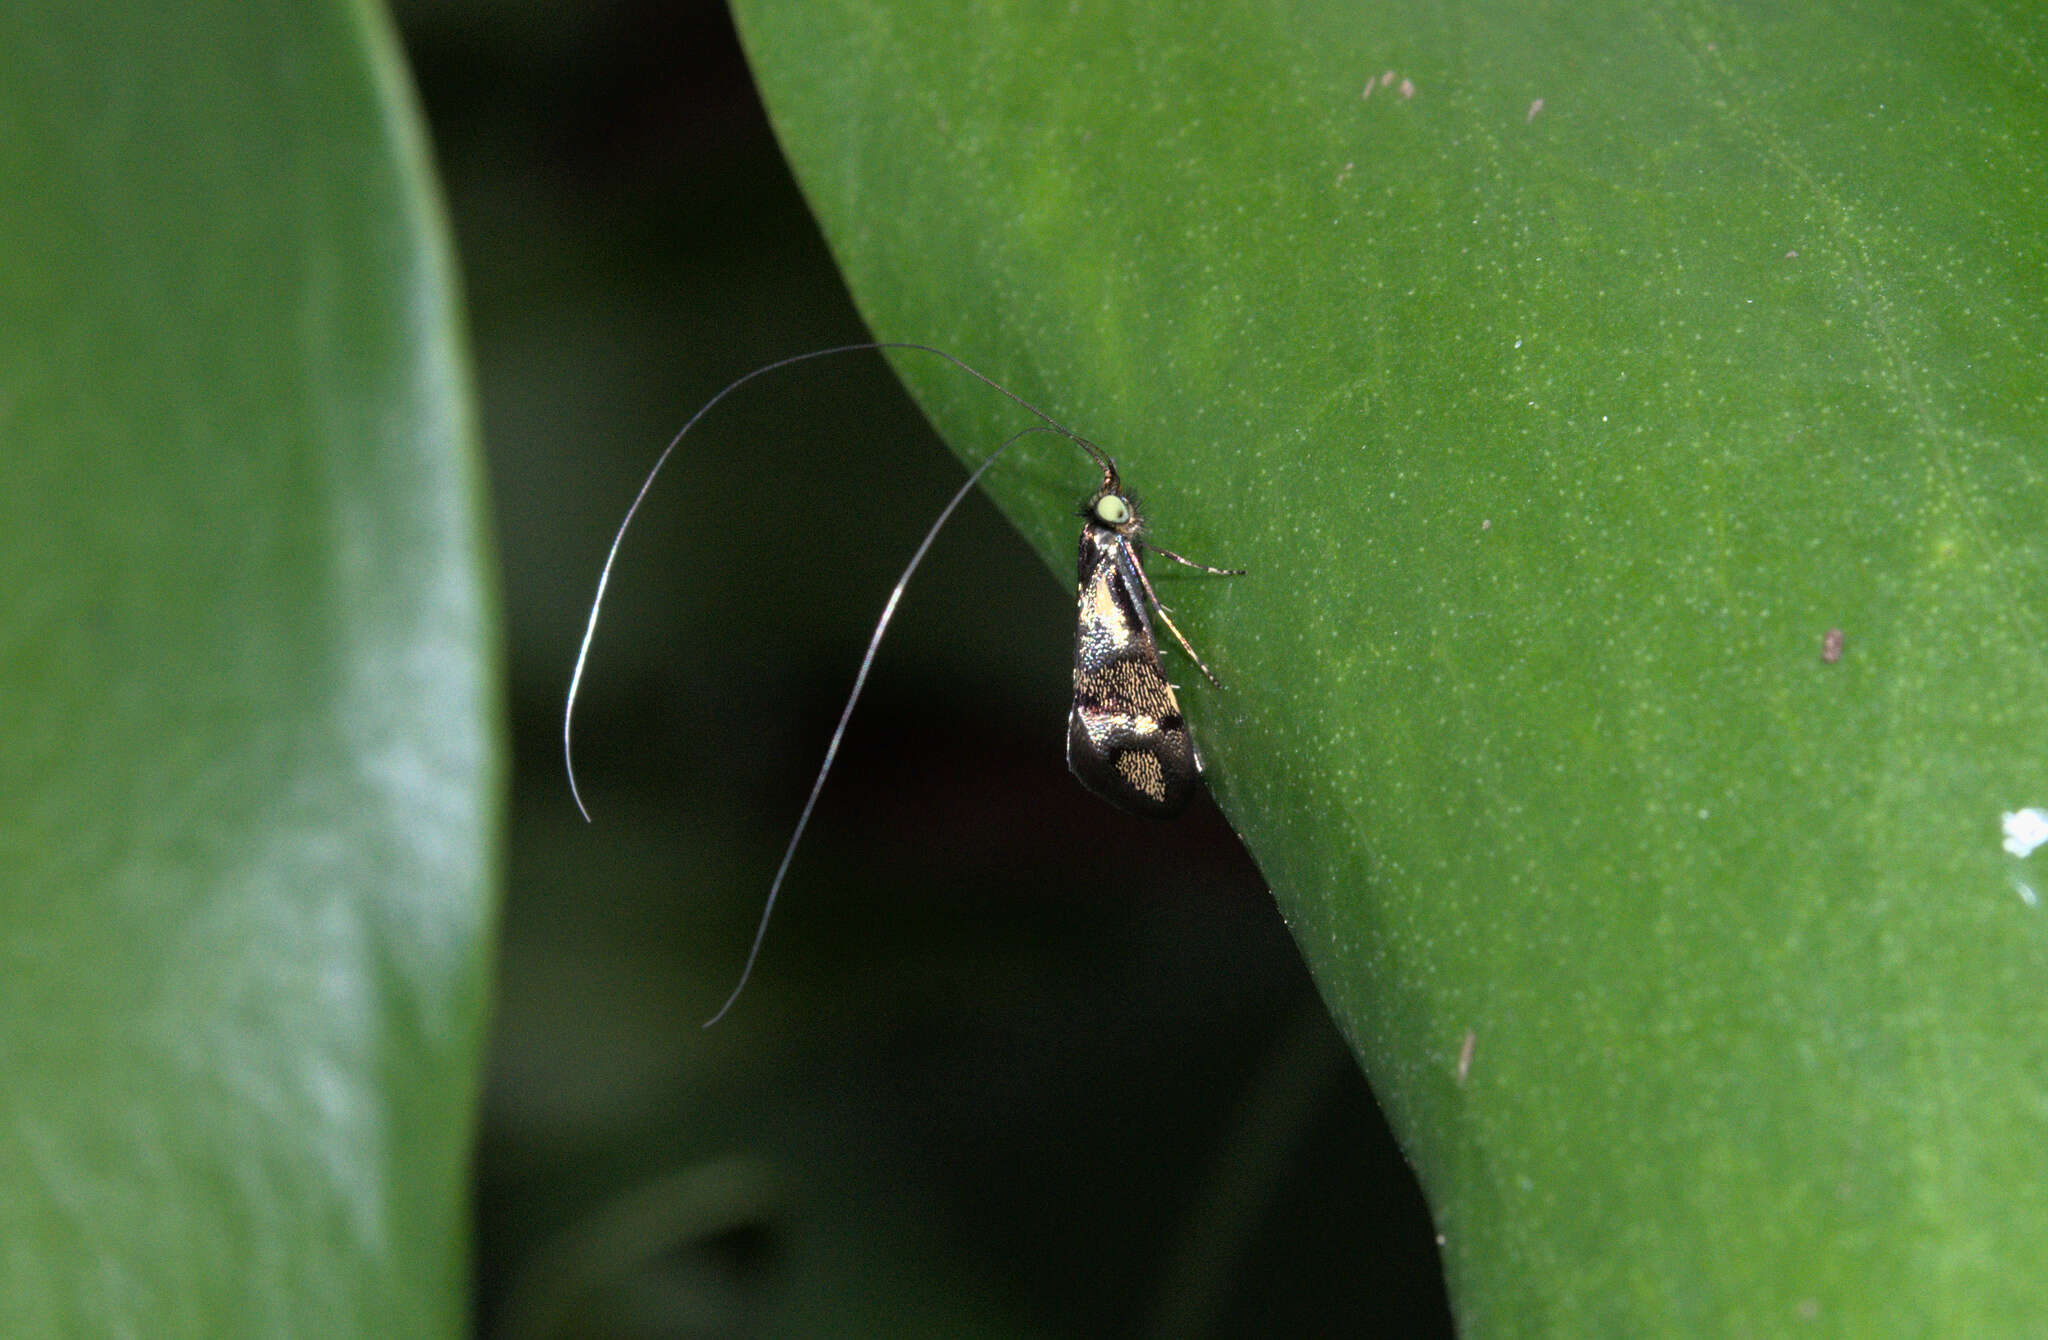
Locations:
(1112, 508)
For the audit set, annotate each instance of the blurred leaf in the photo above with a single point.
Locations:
(1565, 375)
(247, 646)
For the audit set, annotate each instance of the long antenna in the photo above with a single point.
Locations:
(611, 557)
(860, 680)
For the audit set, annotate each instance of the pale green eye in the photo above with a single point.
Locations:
(1112, 510)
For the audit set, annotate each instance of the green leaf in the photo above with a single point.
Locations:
(1566, 376)
(247, 646)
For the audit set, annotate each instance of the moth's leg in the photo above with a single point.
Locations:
(1152, 598)
(1189, 563)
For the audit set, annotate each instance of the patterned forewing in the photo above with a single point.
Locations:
(1126, 739)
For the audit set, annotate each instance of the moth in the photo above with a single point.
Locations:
(1127, 740)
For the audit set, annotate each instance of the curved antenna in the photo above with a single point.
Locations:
(611, 557)
(860, 680)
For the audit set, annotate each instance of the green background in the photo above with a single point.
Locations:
(1564, 375)
(1576, 384)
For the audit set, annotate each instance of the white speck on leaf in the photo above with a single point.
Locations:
(2026, 830)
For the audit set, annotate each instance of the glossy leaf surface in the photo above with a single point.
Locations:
(247, 649)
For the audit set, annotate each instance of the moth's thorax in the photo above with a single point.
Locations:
(1109, 620)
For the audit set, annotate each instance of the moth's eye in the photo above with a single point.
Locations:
(1112, 510)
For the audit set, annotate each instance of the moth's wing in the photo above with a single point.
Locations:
(1126, 738)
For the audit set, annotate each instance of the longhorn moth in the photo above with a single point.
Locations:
(1127, 740)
